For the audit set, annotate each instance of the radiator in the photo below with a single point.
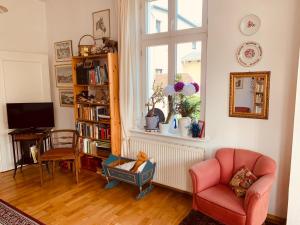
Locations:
(173, 160)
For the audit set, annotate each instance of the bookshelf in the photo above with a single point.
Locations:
(259, 95)
(96, 105)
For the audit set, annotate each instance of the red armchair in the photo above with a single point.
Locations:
(213, 196)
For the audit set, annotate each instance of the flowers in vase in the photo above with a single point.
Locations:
(181, 96)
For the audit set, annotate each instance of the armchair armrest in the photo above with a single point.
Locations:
(259, 188)
(257, 199)
(205, 174)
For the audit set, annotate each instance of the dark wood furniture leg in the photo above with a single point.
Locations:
(14, 151)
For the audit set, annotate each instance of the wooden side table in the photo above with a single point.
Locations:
(19, 138)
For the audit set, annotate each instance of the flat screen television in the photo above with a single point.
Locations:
(30, 115)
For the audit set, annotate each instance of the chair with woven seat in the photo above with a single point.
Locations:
(213, 196)
(63, 147)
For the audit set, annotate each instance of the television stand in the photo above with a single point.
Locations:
(21, 141)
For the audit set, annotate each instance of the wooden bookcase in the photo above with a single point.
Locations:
(259, 91)
(97, 75)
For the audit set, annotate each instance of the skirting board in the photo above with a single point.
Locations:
(276, 220)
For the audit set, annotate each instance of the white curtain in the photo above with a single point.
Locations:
(129, 61)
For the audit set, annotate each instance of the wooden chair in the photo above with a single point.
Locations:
(63, 146)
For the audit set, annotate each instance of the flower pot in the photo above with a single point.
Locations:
(184, 126)
(164, 128)
(152, 122)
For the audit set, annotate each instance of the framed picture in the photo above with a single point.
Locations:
(63, 75)
(66, 97)
(202, 128)
(63, 51)
(101, 24)
(239, 83)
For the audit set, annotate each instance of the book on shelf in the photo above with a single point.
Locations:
(91, 147)
(92, 113)
(96, 74)
(94, 131)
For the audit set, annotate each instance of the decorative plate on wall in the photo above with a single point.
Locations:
(249, 54)
(250, 25)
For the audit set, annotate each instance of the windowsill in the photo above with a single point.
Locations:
(170, 137)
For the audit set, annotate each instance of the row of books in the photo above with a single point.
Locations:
(259, 88)
(91, 147)
(95, 131)
(96, 74)
(94, 113)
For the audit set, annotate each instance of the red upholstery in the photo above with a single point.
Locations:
(213, 196)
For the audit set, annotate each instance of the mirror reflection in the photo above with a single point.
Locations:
(249, 95)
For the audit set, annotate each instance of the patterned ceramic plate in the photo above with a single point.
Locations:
(249, 54)
(250, 25)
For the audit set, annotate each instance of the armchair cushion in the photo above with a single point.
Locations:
(242, 180)
(221, 203)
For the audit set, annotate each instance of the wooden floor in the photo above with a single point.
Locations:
(61, 201)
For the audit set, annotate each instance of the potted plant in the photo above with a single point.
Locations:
(185, 106)
(181, 101)
(152, 119)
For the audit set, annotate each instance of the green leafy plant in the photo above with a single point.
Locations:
(188, 106)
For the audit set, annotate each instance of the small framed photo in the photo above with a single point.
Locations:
(101, 24)
(63, 75)
(66, 97)
(239, 83)
(63, 51)
(202, 128)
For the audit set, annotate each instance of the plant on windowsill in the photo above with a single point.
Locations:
(152, 119)
(181, 102)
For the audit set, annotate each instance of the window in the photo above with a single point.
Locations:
(158, 24)
(174, 46)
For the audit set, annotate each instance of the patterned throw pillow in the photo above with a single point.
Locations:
(241, 181)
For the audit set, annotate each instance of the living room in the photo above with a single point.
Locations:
(205, 50)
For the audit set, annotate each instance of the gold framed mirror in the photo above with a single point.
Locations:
(249, 95)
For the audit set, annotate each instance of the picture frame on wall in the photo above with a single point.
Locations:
(239, 84)
(63, 75)
(66, 97)
(101, 24)
(63, 51)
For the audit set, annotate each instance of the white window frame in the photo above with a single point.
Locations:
(171, 38)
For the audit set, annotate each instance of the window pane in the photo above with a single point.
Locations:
(188, 68)
(157, 71)
(157, 16)
(189, 14)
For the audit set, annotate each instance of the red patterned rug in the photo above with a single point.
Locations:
(9, 215)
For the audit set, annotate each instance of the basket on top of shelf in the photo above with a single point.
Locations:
(86, 50)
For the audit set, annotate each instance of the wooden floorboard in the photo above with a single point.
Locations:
(61, 201)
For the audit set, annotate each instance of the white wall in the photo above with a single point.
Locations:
(279, 35)
(23, 27)
(244, 96)
(22, 32)
(294, 194)
(24, 77)
(69, 20)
